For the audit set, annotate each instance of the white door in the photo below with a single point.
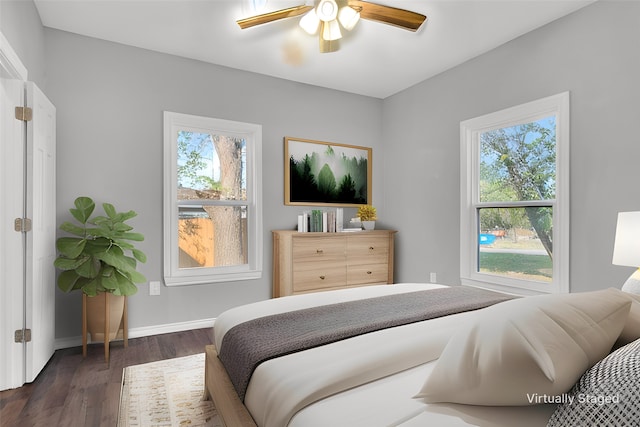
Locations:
(27, 190)
(40, 244)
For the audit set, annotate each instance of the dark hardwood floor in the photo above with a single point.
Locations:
(72, 391)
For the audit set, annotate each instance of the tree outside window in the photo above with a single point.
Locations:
(210, 171)
(518, 164)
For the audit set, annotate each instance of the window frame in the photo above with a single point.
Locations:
(470, 131)
(252, 133)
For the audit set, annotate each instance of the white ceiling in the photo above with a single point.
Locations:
(375, 59)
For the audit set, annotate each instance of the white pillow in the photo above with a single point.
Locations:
(631, 330)
(522, 350)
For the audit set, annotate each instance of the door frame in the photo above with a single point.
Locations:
(10, 61)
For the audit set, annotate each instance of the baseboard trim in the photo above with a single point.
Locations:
(143, 331)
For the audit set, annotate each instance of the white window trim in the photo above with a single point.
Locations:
(252, 133)
(469, 195)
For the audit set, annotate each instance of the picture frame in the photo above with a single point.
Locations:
(319, 173)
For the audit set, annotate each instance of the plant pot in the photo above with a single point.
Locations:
(96, 316)
(369, 225)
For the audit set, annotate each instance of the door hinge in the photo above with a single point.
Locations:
(22, 225)
(22, 335)
(24, 114)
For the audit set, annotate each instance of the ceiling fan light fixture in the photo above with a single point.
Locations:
(329, 15)
(331, 30)
(327, 10)
(348, 17)
(310, 22)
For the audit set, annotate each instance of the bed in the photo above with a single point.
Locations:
(494, 361)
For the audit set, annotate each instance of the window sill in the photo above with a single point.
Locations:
(506, 288)
(208, 279)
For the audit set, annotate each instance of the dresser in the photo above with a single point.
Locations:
(312, 262)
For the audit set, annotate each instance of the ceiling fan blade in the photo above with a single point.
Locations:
(273, 16)
(389, 15)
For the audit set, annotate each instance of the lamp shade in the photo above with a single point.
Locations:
(331, 30)
(310, 22)
(348, 17)
(626, 250)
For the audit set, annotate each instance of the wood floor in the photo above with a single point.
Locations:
(72, 391)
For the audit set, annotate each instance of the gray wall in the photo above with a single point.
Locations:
(592, 53)
(110, 100)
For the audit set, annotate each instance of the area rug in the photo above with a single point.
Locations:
(166, 393)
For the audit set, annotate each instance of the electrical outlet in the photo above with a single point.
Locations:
(154, 288)
(432, 277)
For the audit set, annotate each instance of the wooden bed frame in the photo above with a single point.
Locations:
(219, 388)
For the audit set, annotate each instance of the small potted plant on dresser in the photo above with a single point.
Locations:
(367, 214)
(100, 261)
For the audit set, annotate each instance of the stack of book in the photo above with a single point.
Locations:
(321, 221)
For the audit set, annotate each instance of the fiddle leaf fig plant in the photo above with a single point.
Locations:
(101, 257)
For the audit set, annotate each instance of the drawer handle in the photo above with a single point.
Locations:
(371, 248)
(368, 272)
(319, 251)
(321, 277)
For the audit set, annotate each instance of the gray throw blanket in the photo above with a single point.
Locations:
(248, 344)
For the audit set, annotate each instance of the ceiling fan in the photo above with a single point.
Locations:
(328, 16)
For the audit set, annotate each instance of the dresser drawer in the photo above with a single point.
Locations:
(318, 249)
(371, 250)
(305, 280)
(367, 273)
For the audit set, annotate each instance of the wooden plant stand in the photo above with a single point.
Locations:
(125, 328)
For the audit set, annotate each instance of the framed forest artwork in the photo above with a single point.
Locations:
(320, 173)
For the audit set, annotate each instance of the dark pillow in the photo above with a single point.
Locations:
(608, 394)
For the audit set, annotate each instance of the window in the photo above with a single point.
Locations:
(514, 219)
(212, 200)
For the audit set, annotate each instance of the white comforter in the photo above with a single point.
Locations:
(280, 388)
